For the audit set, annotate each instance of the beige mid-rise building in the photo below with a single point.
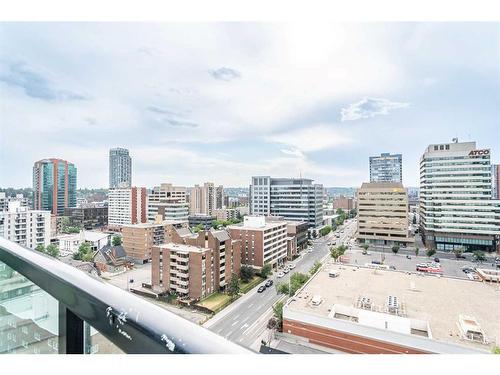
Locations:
(383, 213)
(139, 239)
(203, 199)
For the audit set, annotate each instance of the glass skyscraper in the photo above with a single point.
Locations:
(386, 168)
(54, 185)
(120, 168)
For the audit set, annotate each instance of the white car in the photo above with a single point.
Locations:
(280, 275)
(291, 266)
(285, 270)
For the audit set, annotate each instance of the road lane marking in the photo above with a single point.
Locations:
(234, 323)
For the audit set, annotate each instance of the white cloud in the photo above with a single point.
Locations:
(311, 138)
(293, 152)
(370, 107)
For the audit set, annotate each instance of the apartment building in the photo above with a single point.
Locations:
(70, 243)
(263, 240)
(54, 185)
(456, 206)
(205, 220)
(87, 217)
(383, 213)
(126, 206)
(219, 197)
(4, 201)
(139, 239)
(386, 168)
(24, 226)
(296, 199)
(120, 168)
(224, 214)
(203, 199)
(168, 201)
(195, 265)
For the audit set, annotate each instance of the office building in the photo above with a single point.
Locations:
(139, 239)
(205, 220)
(263, 240)
(386, 168)
(87, 217)
(54, 185)
(120, 168)
(126, 206)
(169, 202)
(24, 226)
(386, 312)
(456, 209)
(495, 181)
(383, 213)
(195, 265)
(203, 199)
(296, 199)
(344, 203)
(4, 201)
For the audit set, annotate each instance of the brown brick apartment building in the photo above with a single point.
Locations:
(139, 239)
(195, 265)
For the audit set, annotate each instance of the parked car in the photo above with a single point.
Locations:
(436, 260)
(376, 262)
(461, 256)
(280, 275)
(408, 257)
(392, 268)
(285, 270)
(364, 252)
(291, 266)
(269, 283)
(261, 289)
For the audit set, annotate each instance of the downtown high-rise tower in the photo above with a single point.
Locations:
(120, 168)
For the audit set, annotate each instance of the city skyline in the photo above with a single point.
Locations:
(260, 99)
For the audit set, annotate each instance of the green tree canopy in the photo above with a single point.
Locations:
(233, 288)
(246, 273)
(479, 256)
(315, 267)
(395, 248)
(431, 252)
(117, 241)
(266, 270)
(40, 248)
(337, 252)
(52, 250)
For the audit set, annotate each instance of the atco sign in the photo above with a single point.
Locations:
(479, 152)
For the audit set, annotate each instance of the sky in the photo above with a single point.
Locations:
(222, 102)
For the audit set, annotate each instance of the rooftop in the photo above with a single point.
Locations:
(182, 247)
(151, 225)
(428, 306)
(382, 185)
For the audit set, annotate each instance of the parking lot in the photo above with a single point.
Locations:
(450, 267)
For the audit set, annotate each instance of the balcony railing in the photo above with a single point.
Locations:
(80, 301)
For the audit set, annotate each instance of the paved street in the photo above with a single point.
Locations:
(246, 321)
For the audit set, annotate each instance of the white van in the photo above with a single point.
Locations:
(333, 273)
(316, 300)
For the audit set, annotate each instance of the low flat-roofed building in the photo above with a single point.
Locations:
(365, 311)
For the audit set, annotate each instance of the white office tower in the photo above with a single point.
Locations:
(24, 226)
(295, 199)
(120, 168)
(169, 202)
(456, 209)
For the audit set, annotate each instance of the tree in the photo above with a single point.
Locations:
(353, 212)
(395, 249)
(246, 273)
(479, 256)
(233, 288)
(431, 252)
(278, 313)
(40, 248)
(416, 251)
(365, 246)
(324, 231)
(414, 219)
(458, 252)
(337, 252)
(282, 288)
(296, 281)
(316, 266)
(265, 270)
(117, 241)
(52, 250)
(84, 252)
(340, 211)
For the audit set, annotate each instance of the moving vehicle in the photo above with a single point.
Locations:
(408, 257)
(269, 283)
(261, 289)
(429, 268)
(436, 260)
(280, 275)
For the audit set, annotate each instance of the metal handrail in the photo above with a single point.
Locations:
(130, 322)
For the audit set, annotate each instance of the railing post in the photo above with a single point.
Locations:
(71, 337)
